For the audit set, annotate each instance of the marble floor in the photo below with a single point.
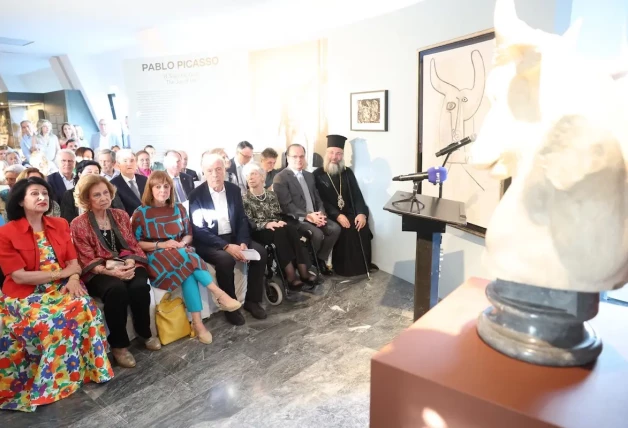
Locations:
(307, 365)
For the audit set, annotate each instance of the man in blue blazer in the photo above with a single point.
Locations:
(130, 186)
(221, 231)
(63, 179)
(104, 139)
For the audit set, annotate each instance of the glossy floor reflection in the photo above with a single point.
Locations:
(307, 365)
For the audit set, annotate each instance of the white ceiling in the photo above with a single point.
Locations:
(86, 27)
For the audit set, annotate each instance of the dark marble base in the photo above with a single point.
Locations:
(307, 365)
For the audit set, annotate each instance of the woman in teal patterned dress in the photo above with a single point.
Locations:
(53, 339)
(162, 228)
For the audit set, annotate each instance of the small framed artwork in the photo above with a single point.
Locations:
(369, 111)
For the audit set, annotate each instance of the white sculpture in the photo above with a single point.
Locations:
(558, 125)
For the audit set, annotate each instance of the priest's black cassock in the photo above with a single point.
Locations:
(347, 258)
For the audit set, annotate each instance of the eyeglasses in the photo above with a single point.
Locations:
(245, 156)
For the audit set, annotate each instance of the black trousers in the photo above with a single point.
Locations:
(288, 242)
(224, 264)
(117, 295)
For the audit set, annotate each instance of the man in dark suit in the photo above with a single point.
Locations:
(299, 199)
(183, 183)
(63, 179)
(186, 170)
(244, 154)
(221, 231)
(130, 186)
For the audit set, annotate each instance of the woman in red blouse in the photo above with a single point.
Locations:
(54, 338)
(114, 265)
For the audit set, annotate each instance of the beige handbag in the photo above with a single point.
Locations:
(171, 319)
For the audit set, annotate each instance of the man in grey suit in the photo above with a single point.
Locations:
(104, 139)
(299, 199)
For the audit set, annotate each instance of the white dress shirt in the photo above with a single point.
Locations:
(111, 177)
(221, 208)
(127, 180)
(69, 184)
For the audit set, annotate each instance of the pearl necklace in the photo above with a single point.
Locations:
(262, 199)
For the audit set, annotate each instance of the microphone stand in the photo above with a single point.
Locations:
(440, 185)
(412, 199)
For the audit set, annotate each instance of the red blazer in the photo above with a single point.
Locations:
(18, 250)
(90, 244)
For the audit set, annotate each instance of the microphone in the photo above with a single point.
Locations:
(434, 175)
(456, 145)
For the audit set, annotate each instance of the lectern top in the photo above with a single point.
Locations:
(431, 208)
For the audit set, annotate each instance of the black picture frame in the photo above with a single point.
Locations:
(380, 127)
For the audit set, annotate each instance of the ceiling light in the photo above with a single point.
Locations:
(14, 42)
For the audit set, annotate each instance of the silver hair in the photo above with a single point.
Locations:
(125, 154)
(170, 158)
(108, 152)
(250, 167)
(210, 158)
(17, 169)
(67, 152)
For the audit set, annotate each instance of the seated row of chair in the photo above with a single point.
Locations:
(54, 269)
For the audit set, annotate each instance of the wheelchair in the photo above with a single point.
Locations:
(274, 293)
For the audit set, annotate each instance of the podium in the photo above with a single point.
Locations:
(439, 373)
(428, 217)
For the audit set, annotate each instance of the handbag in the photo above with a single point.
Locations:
(171, 319)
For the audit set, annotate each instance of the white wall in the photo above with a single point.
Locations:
(41, 81)
(381, 53)
(13, 83)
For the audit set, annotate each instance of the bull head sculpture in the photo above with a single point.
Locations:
(556, 126)
(459, 105)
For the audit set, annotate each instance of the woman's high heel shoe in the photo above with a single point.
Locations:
(230, 306)
(204, 337)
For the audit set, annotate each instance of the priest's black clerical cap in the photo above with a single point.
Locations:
(336, 141)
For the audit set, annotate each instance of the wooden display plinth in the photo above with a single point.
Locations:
(439, 374)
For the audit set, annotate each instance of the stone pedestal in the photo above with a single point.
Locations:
(440, 373)
(541, 325)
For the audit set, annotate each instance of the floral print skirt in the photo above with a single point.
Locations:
(50, 344)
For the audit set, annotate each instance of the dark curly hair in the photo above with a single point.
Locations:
(14, 210)
(82, 165)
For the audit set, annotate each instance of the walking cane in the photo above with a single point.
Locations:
(359, 236)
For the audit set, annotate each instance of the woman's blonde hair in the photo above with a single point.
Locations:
(28, 171)
(41, 123)
(85, 184)
(157, 177)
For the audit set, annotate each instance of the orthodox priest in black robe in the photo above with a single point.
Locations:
(345, 204)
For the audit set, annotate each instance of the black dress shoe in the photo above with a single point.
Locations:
(235, 318)
(312, 282)
(297, 287)
(255, 309)
(324, 268)
(373, 267)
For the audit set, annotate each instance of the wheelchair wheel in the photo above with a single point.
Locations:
(274, 294)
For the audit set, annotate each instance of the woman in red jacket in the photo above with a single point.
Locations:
(54, 339)
(114, 265)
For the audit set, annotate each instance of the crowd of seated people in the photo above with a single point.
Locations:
(125, 218)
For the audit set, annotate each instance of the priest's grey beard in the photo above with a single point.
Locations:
(334, 168)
